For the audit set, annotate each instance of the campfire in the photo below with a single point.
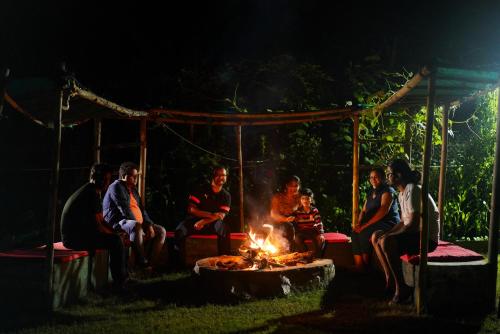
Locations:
(263, 251)
(265, 268)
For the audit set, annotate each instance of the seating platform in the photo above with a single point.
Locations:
(455, 281)
(198, 246)
(75, 273)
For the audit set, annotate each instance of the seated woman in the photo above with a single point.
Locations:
(308, 225)
(404, 238)
(380, 212)
(283, 205)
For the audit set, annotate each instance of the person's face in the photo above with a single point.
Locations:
(375, 179)
(391, 178)
(292, 188)
(131, 178)
(305, 201)
(220, 177)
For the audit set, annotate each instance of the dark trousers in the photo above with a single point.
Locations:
(316, 244)
(113, 243)
(218, 227)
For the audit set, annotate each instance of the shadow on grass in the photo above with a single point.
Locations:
(355, 303)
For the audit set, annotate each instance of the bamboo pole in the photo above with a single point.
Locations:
(424, 219)
(3, 86)
(143, 162)
(442, 169)
(494, 219)
(355, 172)
(240, 169)
(54, 185)
(97, 139)
(240, 116)
(235, 122)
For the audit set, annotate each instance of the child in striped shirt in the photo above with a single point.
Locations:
(308, 225)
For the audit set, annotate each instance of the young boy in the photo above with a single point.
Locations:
(308, 225)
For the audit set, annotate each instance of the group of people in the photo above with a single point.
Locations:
(105, 215)
(391, 230)
(109, 215)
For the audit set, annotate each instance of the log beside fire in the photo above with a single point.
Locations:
(253, 260)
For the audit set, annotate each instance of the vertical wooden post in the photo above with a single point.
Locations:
(424, 219)
(494, 218)
(355, 172)
(3, 85)
(442, 169)
(97, 140)
(240, 169)
(54, 188)
(143, 162)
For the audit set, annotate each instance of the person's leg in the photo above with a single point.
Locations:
(158, 242)
(136, 235)
(375, 239)
(183, 230)
(390, 247)
(118, 261)
(356, 251)
(223, 237)
(299, 242)
(364, 241)
(317, 244)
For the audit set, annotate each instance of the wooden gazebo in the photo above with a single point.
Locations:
(54, 103)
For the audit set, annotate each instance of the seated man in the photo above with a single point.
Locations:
(207, 208)
(123, 211)
(83, 224)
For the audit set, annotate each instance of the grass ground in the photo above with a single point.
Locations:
(173, 304)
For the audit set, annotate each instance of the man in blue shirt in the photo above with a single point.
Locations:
(123, 211)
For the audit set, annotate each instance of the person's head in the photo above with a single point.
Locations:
(128, 173)
(219, 176)
(399, 172)
(306, 197)
(100, 175)
(292, 185)
(377, 177)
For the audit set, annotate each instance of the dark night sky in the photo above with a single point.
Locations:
(117, 49)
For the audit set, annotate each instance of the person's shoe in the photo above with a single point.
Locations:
(404, 297)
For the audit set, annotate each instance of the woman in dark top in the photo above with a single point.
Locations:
(380, 212)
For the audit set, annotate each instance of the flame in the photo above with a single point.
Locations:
(262, 244)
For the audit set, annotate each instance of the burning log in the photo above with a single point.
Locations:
(292, 259)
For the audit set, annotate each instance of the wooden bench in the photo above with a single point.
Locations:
(455, 280)
(75, 273)
(198, 246)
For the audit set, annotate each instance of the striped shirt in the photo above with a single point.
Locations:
(308, 221)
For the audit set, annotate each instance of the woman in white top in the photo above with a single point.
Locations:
(404, 237)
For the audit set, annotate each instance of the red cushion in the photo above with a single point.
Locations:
(334, 238)
(445, 252)
(61, 253)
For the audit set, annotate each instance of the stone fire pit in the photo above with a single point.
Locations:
(257, 283)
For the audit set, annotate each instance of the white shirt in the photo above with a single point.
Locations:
(409, 202)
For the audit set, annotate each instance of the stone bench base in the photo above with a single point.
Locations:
(23, 283)
(452, 287)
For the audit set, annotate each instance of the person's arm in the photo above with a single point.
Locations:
(385, 206)
(101, 224)
(122, 201)
(356, 228)
(318, 224)
(206, 216)
(276, 215)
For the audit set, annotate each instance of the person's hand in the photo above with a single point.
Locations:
(199, 224)
(321, 238)
(150, 233)
(219, 215)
